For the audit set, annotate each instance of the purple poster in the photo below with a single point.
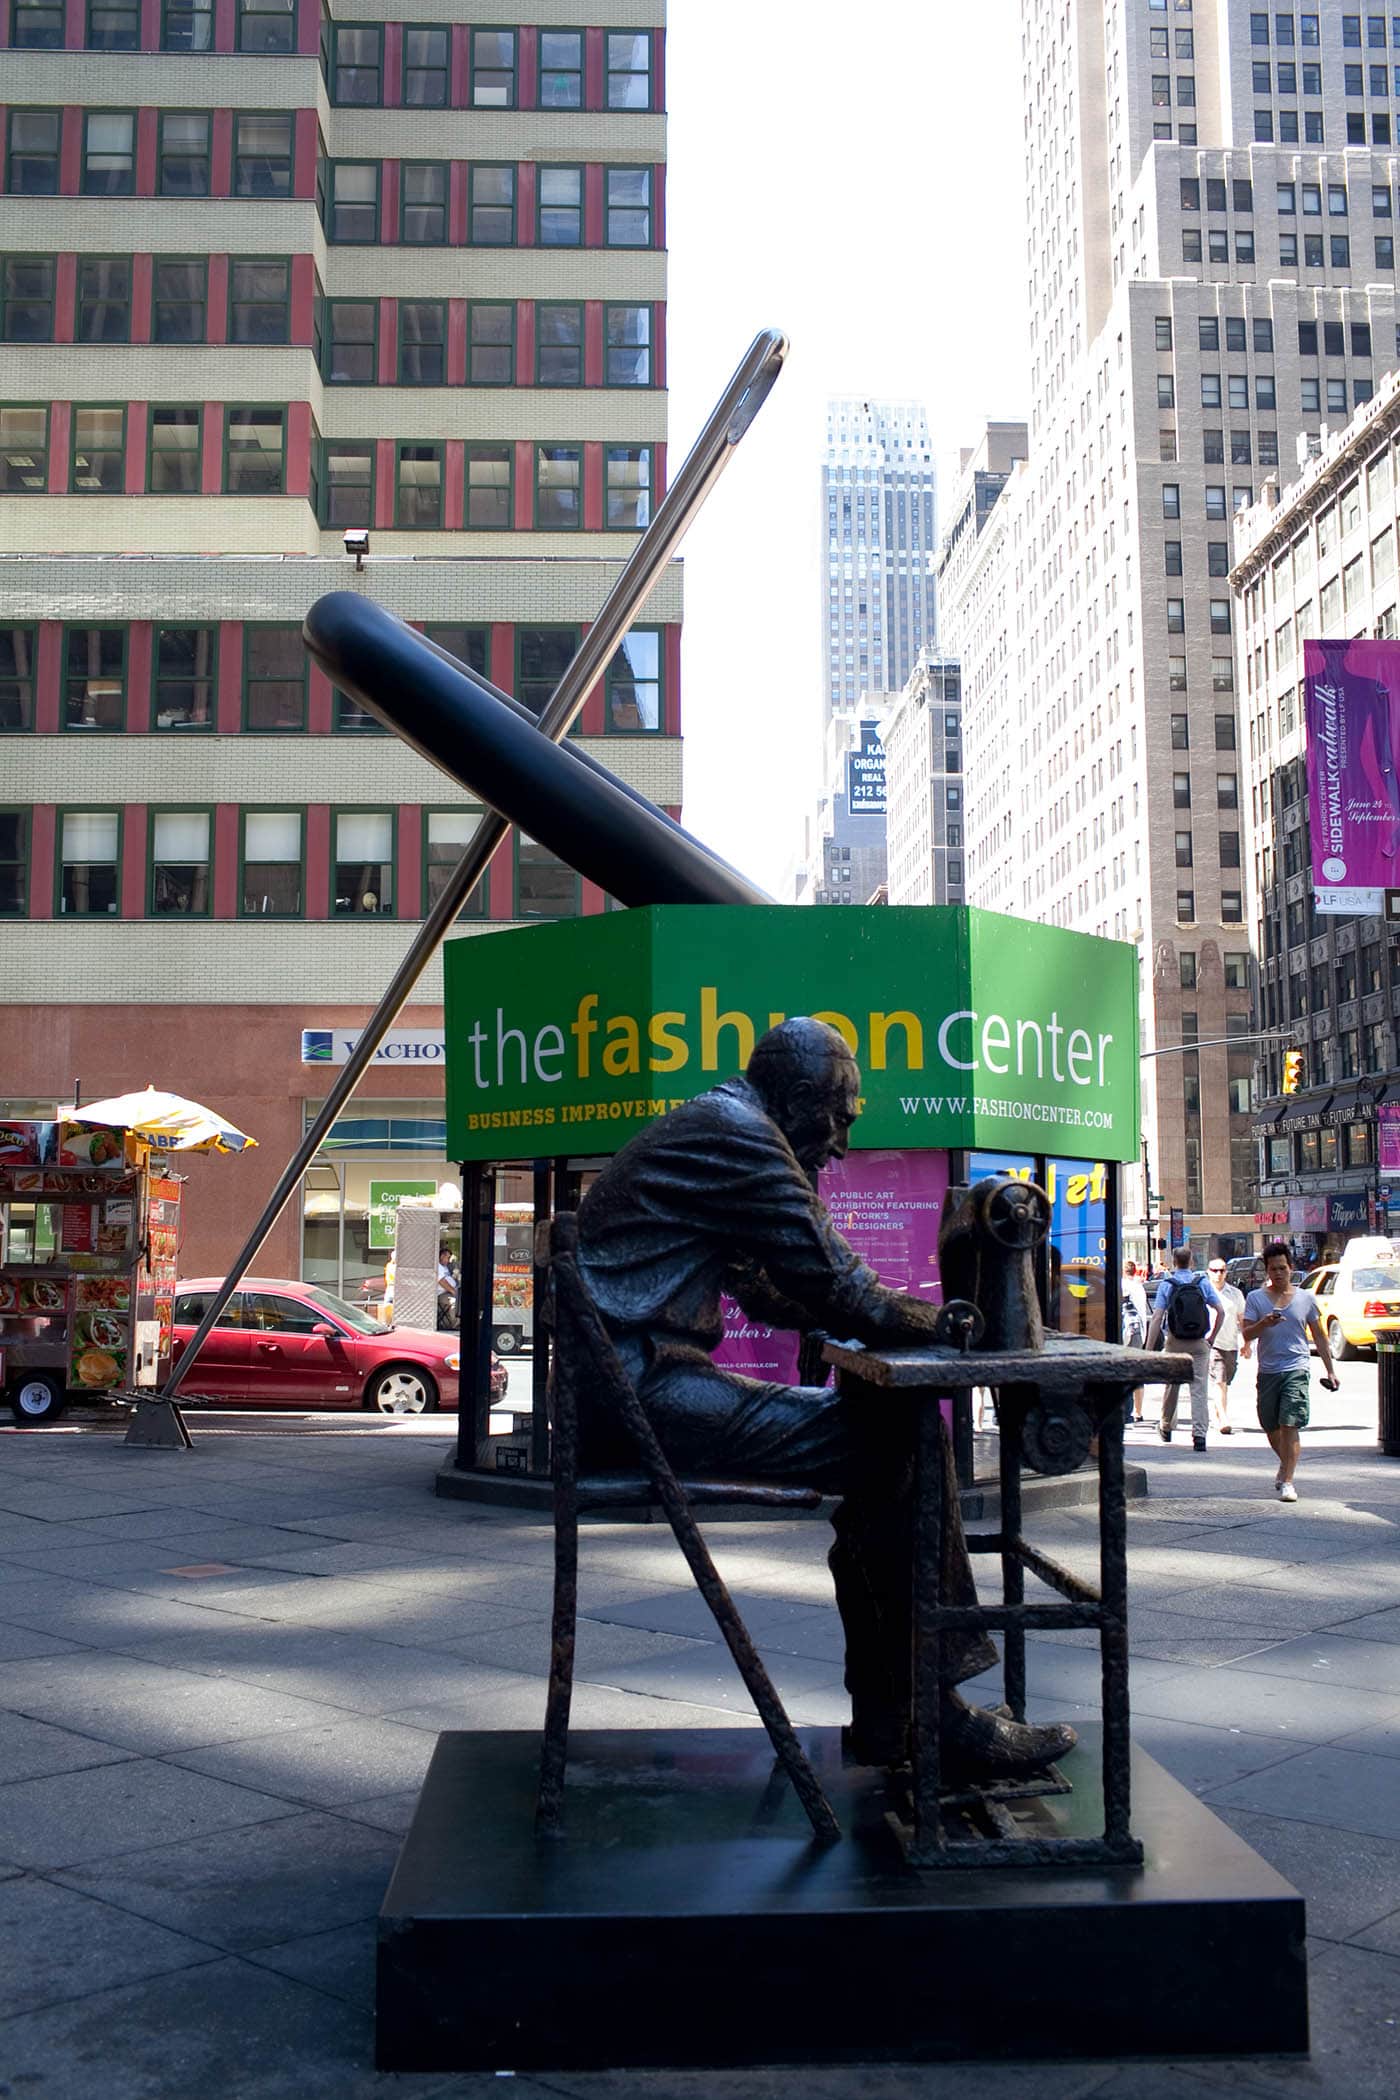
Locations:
(1388, 1136)
(1353, 798)
(888, 1205)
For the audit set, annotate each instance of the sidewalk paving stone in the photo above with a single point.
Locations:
(1334, 1658)
(142, 1706)
(63, 1945)
(1352, 1881)
(1338, 1789)
(323, 1766)
(30, 1749)
(72, 1817)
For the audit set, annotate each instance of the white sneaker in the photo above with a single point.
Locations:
(1287, 1492)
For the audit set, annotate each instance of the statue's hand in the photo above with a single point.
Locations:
(810, 1368)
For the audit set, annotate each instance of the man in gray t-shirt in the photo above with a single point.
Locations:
(1279, 1320)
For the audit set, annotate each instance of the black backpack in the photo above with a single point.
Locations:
(1188, 1315)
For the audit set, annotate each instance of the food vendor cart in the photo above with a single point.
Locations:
(89, 1247)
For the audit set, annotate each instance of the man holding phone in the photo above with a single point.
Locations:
(1279, 1319)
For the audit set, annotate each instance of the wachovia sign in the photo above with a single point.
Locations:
(970, 1029)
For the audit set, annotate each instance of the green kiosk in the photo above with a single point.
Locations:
(986, 1045)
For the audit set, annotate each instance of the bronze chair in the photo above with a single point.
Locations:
(583, 1350)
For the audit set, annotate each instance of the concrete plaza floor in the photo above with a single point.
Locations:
(222, 1673)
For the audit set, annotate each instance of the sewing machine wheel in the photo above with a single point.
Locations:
(1017, 1215)
(1055, 1440)
(959, 1324)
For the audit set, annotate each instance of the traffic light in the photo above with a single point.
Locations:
(1292, 1071)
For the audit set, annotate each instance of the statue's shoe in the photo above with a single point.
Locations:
(979, 1745)
(881, 1744)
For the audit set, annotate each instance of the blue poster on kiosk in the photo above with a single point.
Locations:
(1078, 1233)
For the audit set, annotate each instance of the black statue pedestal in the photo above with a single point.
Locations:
(687, 1918)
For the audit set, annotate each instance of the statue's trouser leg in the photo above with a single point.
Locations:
(713, 1421)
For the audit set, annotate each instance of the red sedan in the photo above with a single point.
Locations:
(293, 1344)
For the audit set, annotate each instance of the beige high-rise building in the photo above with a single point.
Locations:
(1211, 199)
(270, 270)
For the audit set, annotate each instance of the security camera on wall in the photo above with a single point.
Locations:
(357, 543)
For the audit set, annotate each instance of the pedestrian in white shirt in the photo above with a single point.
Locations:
(1228, 1350)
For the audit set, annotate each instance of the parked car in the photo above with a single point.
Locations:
(282, 1343)
(1351, 1300)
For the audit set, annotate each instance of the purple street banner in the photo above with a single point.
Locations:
(1388, 1136)
(888, 1205)
(1353, 797)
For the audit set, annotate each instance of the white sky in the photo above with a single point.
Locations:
(853, 177)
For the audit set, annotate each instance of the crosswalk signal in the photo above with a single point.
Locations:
(1292, 1071)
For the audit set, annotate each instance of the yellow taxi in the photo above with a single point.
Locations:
(1357, 1303)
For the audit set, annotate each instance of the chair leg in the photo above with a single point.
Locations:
(549, 1805)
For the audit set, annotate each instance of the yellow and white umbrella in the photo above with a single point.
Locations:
(167, 1122)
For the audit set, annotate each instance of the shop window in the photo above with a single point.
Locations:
(422, 342)
(262, 156)
(274, 679)
(627, 340)
(179, 292)
(559, 216)
(271, 882)
(259, 302)
(14, 863)
(347, 482)
(446, 835)
(88, 862)
(24, 451)
(349, 342)
(109, 153)
(255, 444)
(492, 206)
(357, 64)
(184, 153)
(558, 344)
(491, 343)
(558, 488)
(418, 492)
(363, 871)
(561, 69)
(26, 298)
(17, 646)
(425, 69)
(31, 161)
(174, 464)
(423, 203)
(187, 25)
(488, 493)
(267, 25)
(633, 685)
(493, 68)
(186, 662)
(180, 846)
(99, 452)
(544, 887)
(627, 487)
(627, 212)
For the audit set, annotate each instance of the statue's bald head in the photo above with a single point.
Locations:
(810, 1084)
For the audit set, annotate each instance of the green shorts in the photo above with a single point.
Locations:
(1283, 1399)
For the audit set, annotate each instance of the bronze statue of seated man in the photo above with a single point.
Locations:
(718, 1197)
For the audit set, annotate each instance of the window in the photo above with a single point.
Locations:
(255, 444)
(425, 68)
(628, 70)
(1171, 500)
(1308, 30)
(17, 677)
(26, 298)
(1333, 339)
(1218, 244)
(418, 488)
(493, 69)
(1288, 249)
(1231, 908)
(1215, 500)
(24, 451)
(1263, 126)
(1185, 907)
(185, 666)
(14, 862)
(1181, 790)
(423, 203)
(259, 302)
(558, 345)
(491, 344)
(103, 311)
(114, 25)
(1340, 244)
(1244, 246)
(184, 154)
(422, 342)
(1217, 558)
(1176, 674)
(1164, 332)
(1224, 732)
(270, 885)
(187, 25)
(1183, 849)
(1237, 390)
(36, 25)
(542, 656)
(561, 69)
(178, 295)
(262, 156)
(89, 848)
(1336, 397)
(347, 482)
(109, 153)
(470, 645)
(627, 345)
(363, 872)
(492, 206)
(1215, 194)
(1220, 616)
(357, 65)
(1186, 969)
(180, 844)
(1181, 733)
(1258, 29)
(353, 209)
(1172, 552)
(627, 487)
(628, 207)
(353, 720)
(349, 342)
(559, 219)
(558, 487)
(1176, 616)
(1210, 389)
(174, 465)
(544, 887)
(1191, 244)
(1288, 127)
(99, 452)
(447, 834)
(274, 678)
(1264, 395)
(1213, 447)
(32, 160)
(1166, 448)
(266, 25)
(489, 500)
(1241, 450)
(1166, 390)
(1161, 91)
(1262, 75)
(634, 684)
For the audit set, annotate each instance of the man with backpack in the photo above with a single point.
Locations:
(1188, 1306)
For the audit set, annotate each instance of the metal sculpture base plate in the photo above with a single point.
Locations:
(686, 1918)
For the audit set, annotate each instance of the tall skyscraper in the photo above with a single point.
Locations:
(269, 270)
(1211, 198)
(879, 505)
